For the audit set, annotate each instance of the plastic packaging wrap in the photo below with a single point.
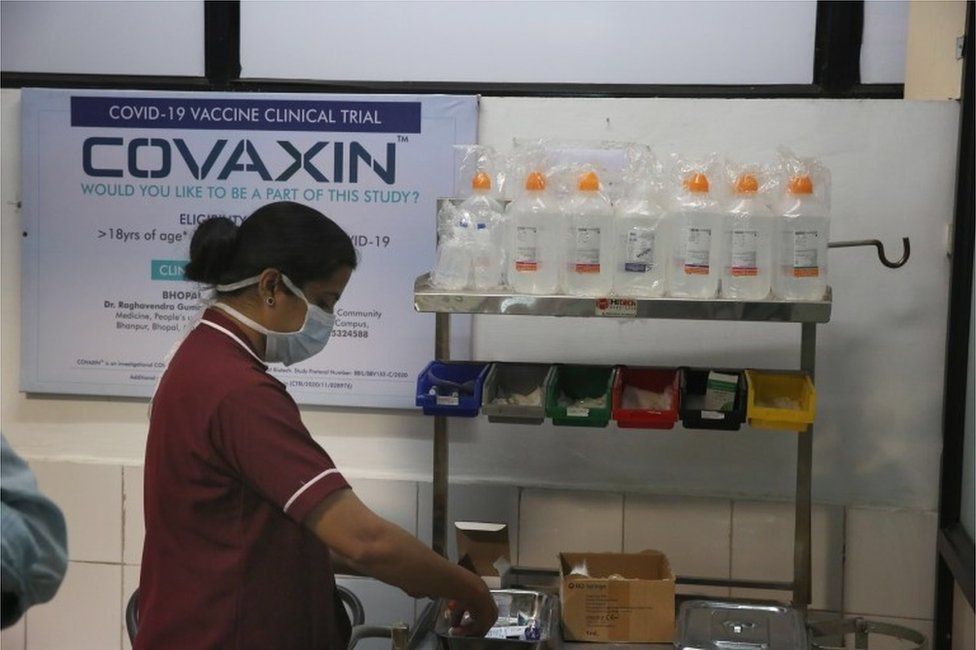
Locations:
(473, 159)
(536, 224)
(695, 221)
(641, 239)
(802, 229)
(472, 236)
(747, 231)
(564, 159)
(588, 237)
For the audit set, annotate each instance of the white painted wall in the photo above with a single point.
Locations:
(136, 37)
(880, 360)
(667, 42)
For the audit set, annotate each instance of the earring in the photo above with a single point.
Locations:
(270, 300)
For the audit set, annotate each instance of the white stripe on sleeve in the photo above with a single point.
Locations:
(302, 489)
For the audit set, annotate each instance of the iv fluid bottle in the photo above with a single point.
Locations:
(535, 251)
(694, 269)
(747, 243)
(801, 244)
(487, 236)
(589, 240)
(641, 246)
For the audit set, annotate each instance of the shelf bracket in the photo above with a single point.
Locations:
(906, 248)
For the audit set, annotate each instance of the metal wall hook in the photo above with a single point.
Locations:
(906, 247)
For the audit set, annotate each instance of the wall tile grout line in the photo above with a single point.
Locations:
(623, 522)
(518, 524)
(731, 536)
(843, 560)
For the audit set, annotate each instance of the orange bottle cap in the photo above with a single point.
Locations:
(589, 182)
(801, 185)
(535, 182)
(697, 183)
(746, 184)
(481, 181)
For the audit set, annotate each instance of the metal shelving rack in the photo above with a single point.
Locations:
(807, 314)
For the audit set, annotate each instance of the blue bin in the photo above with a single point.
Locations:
(453, 389)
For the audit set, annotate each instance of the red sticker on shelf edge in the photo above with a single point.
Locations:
(616, 307)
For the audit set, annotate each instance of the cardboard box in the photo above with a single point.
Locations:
(484, 549)
(628, 597)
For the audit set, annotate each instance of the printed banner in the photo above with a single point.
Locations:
(114, 184)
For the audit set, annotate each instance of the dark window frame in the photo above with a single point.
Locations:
(956, 555)
(836, 72)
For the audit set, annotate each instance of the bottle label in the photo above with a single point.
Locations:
(640, 250)
(805, 251)
(526, 249)
(698, 247)
(587, 254)
(745, 251)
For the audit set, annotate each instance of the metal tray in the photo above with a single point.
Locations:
(711, 625)
(541, 606)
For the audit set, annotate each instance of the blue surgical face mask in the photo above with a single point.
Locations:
(287, 347)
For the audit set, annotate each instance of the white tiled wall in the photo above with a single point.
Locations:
(694, 533)
(890, 568)
(134, 528)
(762, 549)
(91, 498)
(14, 637)
(489, 503)
(86, 613)
(551, 521)
(887, 575)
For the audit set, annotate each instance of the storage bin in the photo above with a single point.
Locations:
(519, 379)
(780, 400)
(446, 388)
(693, 414)
(651, 379)
(576, 383)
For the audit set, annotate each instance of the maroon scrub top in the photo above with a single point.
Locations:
(231, 473)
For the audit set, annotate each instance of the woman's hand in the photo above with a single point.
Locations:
(384, 551)
(473, 617)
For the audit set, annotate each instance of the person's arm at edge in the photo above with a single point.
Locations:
(342, 565)
(388, 553)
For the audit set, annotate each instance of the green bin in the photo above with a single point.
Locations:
(576, 383)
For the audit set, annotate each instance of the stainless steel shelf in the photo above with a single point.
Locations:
(429, 299)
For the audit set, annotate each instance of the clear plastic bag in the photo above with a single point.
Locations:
(803, 228)
(641, 234)
(473, 161)
(694, 218)
(748, 231)
(791, 168)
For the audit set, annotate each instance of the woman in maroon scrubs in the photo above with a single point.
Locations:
(247, 518)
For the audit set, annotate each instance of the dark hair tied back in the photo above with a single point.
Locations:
(212, 250)
(295, 239)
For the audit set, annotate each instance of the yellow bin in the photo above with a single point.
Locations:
(785, 401)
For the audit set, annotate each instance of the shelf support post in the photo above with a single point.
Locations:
(804, 480)
(442, 352)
